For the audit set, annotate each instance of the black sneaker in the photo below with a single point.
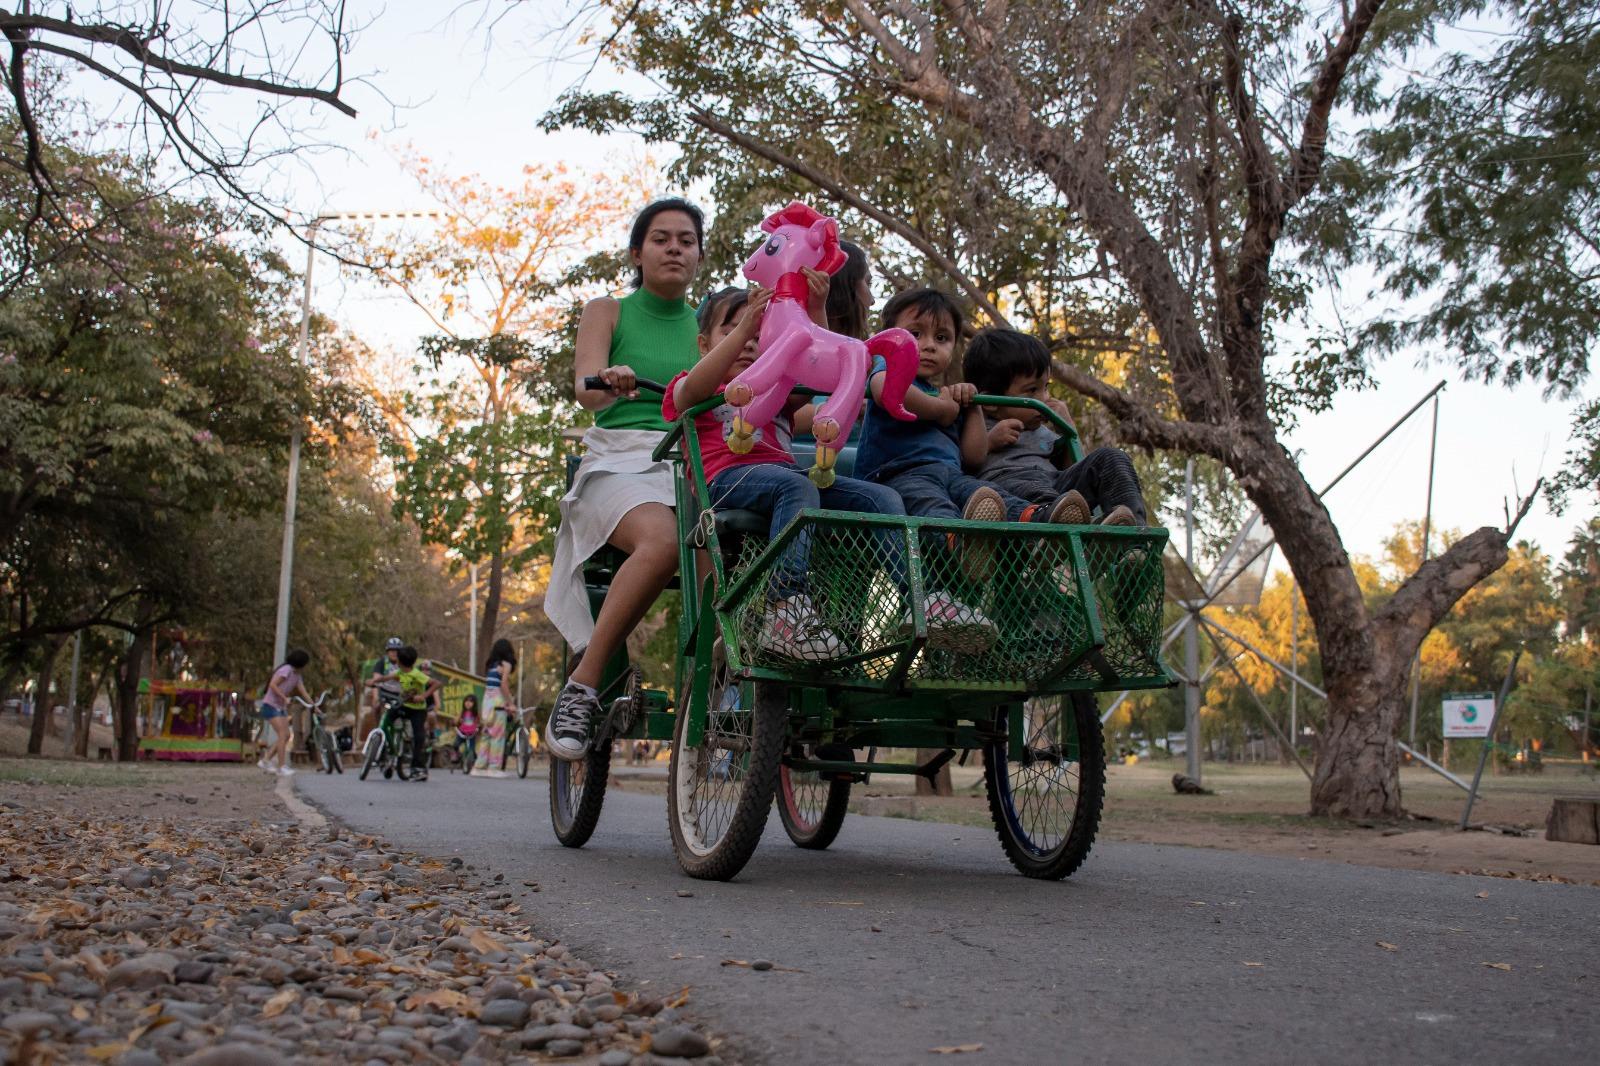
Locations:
(567, 732)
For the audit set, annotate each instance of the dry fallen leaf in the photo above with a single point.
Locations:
(484, 942)
(342, 957)
(446, 998)
(279, 1003)
(680, 999)
(106, 1052)
(1483, 895)
(1386, 946)
(956, 1049)
(735, 962)
(368, 957)
(1498, 965)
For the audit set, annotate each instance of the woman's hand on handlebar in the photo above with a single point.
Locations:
(620, 380)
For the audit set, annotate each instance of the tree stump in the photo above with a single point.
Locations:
(1575, 820)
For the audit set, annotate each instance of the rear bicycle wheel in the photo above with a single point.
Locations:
(524, 751)
(719, 794)
(812, 810)
(374, 752)
(1045, 803)
(577, 792)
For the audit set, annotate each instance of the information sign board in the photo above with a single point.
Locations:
(1468, 714)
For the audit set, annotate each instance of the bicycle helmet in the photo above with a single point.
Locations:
(393, 644)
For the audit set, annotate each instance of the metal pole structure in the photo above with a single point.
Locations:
(1488, 741)
(1262, 707)
(280, 637)
(1427, 534)
(472, 616)
(1320, 694)
(1191, 641)
(1294, 663)
(1234, 575)
(280, 640)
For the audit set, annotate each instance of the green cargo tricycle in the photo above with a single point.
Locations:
(1077, 610)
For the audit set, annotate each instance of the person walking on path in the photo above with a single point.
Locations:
(497, 703)
(286, 682)
(621, 495)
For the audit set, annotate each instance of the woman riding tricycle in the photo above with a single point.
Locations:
(821, 623)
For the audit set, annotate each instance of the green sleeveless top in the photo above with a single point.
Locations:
(657, 338)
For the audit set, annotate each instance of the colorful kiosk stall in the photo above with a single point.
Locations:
(195, 721)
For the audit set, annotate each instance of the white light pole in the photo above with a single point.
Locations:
(280, 638)
(472, 618)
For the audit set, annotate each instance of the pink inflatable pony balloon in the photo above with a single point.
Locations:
(797, 351)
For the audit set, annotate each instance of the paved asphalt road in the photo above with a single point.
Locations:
(1160, 955)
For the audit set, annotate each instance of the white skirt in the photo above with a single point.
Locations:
(617, 474)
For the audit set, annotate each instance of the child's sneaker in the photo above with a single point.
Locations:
(953, 626)
(1120, 515)
(794, 631)
(977, 552)
(1071, 509)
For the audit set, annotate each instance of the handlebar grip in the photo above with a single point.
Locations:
(598, 383)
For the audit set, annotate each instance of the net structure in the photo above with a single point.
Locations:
(894, 603)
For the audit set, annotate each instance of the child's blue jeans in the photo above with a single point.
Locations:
(780, 492)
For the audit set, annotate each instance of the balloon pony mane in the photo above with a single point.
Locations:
(796, 351)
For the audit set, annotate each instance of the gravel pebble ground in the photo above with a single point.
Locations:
(135, 938)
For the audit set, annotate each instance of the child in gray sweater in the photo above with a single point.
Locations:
(1025, 456)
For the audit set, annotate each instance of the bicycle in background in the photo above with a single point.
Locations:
(322, 742)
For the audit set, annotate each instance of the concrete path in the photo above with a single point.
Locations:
(908, 936)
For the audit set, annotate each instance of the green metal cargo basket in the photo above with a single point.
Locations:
(896, 604)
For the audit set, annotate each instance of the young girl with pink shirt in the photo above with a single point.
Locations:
(766, 480)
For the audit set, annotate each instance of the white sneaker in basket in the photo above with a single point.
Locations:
(794, 631)
(954, 626)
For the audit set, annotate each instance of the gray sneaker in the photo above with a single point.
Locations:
(567, 732)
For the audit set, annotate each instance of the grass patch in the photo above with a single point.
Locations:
(79, 774)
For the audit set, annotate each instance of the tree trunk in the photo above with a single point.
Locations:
(1358, 766)
(129, 674)
(491, 607)
(43, 711)
(83, 717)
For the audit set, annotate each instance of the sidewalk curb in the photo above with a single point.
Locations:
(304, 813)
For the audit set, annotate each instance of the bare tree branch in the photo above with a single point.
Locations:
(1137, 422)
(139, 48)
(843, 193)
(1308, 158)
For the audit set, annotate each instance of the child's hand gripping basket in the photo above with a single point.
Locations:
(898, 603)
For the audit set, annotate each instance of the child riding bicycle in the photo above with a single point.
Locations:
(416, 689)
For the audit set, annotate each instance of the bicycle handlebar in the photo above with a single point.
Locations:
(312, 706)
(595, 381)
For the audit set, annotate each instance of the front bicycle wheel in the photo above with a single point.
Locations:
(1045, 800)
(812, 810)
(374, 752)
(326, 755)
(577, 792)
(402, 757)
(524, 752)
(719, 793)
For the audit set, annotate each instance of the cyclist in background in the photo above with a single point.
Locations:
(383, 679)
(416, 691)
